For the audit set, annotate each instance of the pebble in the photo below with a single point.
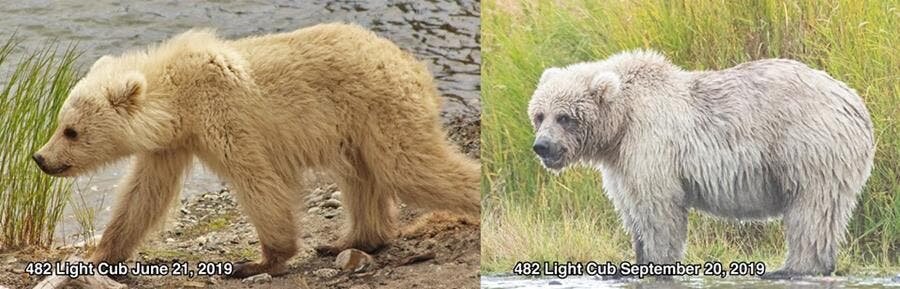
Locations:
(316, 197)
(331, 213)
(336, 195)
(314, 210)
(326, 273)
(896, 278)
(353, 260)
(258, 279)
(332, 203)
(361, 286)
(554, 282)
(428, 243)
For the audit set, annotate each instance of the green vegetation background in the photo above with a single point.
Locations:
(32, 89)
(529, 214)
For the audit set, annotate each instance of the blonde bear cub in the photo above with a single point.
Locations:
(260, 111)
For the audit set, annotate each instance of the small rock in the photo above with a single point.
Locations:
(201, 240)
(10, 260)
(332, 203)
(336, 195)
(353, 260)
(326, 273)
(331, 213)
(170, 240)
(361, 286)
(896, 278)
(428, 243)
(313, 210)
(258, 279)
(554, 282)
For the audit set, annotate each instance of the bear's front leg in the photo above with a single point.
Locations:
(265, 198)
(660, 233)
(658, 224)
(144, 197)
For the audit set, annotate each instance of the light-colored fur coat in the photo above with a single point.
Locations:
(260, 111)
(764, 139)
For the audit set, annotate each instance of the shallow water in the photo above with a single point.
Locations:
(444, 34)
(502, 282)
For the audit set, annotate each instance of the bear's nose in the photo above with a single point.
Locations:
(541, 147)
(38, 159)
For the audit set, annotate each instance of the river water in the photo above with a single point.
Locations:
(444, 34)
(500, 282)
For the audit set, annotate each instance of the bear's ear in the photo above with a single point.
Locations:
(102, 61)
(604, 85)
(549, 72)
(125, 95)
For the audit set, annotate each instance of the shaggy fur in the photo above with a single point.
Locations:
(765, 139)
(259, 111)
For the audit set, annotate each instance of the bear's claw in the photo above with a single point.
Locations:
(780, 275)
(330, 250)
(247, 269)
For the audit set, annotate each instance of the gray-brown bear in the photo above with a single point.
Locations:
(764, 139)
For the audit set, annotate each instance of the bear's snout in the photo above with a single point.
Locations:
(549, 151)
(541, 147)
(42, 163)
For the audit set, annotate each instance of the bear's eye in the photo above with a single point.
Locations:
(564, 119)
(538, 119)
(70, 133)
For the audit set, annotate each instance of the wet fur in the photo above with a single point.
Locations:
(260, 111)
(765, 139)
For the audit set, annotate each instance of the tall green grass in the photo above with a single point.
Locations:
(529, 214)
(31, 203)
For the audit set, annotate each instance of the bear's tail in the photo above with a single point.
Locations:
(446, 181)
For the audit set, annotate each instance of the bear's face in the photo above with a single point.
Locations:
(94, 123)
(572, 116)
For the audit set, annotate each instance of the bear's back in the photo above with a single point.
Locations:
(348, 61)
(765, 125)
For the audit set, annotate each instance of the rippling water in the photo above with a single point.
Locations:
(442, 33)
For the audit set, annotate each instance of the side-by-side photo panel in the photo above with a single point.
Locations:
(236, 144)
(690, 144)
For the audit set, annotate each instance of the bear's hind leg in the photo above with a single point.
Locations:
(815, 224)
(369, 205)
